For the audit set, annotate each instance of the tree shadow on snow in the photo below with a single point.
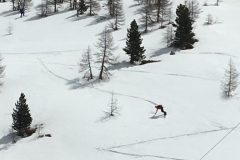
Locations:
(39, 17)
(7, 141)
(80, 83)
(74, 17)
(6, 12)
(121, 65)
(99, 19)
(10, 13)
(163, 51)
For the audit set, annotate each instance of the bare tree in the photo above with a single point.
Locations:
(9, 28)
(2, 69)
(231, 79)
(217, 3)
(85, 64)
(56, 4)
(209, 19)
(93, 6)
(110, 4)
(105, 55)
(146, 12)
(113, 108)
(194, 9)
(119, 17)
(44, 8)
(139, 1)
(39, 127)
(169, 35)
(163, 9)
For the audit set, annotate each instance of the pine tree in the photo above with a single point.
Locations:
(93, 6)
(81, 7)
(231, 79)
(119, 17)
(105, 55)
(21, 116)
(184, 35)
(133, 44)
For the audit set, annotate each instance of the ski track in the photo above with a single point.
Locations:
(180, 75)
(172, 137)
(105, 91)
(146, 100)
(141, 155)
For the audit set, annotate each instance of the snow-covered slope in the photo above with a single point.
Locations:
(41, 59)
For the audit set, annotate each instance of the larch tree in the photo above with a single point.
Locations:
(146, 12)
(163, 10)
(110, 4)
(133, 44)
(184, 35)
(230, 82)
(93, 6)
(194, 9)
(169, 35)
(209, 19)
(105, 55)
(119, 17)
(2, 69)
(21, 116)
(85, 64)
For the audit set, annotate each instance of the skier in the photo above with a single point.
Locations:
(22, 12)
(160, 107)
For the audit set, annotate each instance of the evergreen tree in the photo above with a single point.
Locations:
(133, 44)
(21, 116)
(81, 7)
(184, 35)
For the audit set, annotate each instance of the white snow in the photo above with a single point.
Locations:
(41, 58)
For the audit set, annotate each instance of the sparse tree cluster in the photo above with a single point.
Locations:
(104, 56)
